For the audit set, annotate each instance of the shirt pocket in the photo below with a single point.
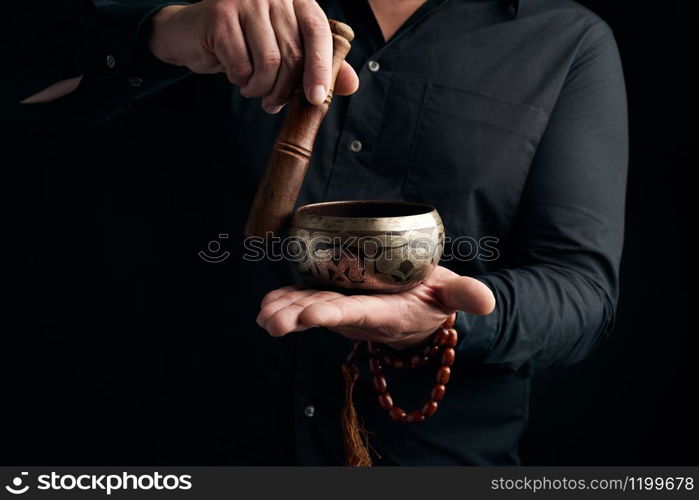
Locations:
(470, 158)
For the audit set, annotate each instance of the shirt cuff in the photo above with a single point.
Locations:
(121, 51)
(477, 334)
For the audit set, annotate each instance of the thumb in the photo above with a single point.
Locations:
(467, 294)
(347, 81)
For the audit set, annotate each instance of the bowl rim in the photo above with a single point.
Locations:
(425, 220)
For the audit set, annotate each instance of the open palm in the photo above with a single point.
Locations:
(400, 320)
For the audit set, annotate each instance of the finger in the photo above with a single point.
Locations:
(232, 52)
(467, 294)
(54, 91)
(318, 49)
(281, 302)
(262, 44)
(301, 297)
(275, 294)
(286, 320)
(357, 310)
(347, 81)
(289, 41)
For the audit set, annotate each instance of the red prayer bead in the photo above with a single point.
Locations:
(429, 408)
(443, 375)
(386, 401)
(452, 337)
(415, 416)
(397, 414)
(438, 392)
(448, 356)
(443, 340)
(440, 337)
(380, 384)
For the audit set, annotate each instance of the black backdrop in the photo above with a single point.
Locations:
(631, 402)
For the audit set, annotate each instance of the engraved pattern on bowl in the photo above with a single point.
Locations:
(344, 245)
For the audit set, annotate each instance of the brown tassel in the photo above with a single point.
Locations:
(353, 433)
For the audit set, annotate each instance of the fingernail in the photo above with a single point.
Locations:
(317, 94)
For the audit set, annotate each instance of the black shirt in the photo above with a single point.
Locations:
(508, 117)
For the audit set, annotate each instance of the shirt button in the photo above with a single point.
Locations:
(309, 411)
(374, 66)
(111, 62)
(135, 81)
(355, 146)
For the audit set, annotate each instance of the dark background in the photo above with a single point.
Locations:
(632, 402)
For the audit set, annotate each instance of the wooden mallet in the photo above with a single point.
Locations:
(291, 153)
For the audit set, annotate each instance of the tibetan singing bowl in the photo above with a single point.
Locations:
(378, 246)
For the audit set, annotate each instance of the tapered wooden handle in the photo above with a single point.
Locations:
(291, 153)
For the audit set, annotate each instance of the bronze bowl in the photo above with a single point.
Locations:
(369, 246)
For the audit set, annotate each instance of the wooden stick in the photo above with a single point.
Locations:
(291, 153)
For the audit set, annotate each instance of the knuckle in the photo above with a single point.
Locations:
(293, 56)
(241, 70)
(261, 319)
(317, 24)
(218, 14)
(222, 6)
(321, 67)
(270, 61)
(218, 33)
(309, 316)
(218, 37)
(266, 300)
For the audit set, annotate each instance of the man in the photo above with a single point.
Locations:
(508, 117)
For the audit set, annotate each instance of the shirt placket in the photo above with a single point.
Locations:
(350, 178)
(351, 175)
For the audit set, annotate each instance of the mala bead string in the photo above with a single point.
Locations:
(355, 435)
(442, 341)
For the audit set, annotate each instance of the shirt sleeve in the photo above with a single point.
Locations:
(120, 35)
(120, 69)
(558, 301)
(102, 40)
